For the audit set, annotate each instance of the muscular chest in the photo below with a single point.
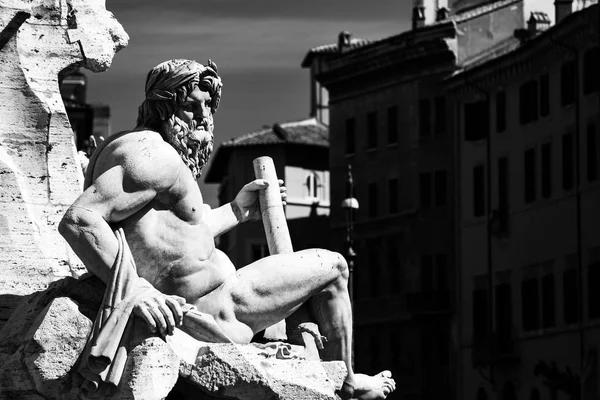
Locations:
(184, 200)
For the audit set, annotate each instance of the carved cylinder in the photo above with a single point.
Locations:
(271, 208)
(276, 229)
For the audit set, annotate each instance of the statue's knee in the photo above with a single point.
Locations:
(341, 265)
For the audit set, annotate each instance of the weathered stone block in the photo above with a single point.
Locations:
(39, 175)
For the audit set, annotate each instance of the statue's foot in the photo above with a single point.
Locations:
(365, 387)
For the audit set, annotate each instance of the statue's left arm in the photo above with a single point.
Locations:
(243, 208)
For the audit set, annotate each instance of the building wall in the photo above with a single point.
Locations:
(393, 327)
(541, 239)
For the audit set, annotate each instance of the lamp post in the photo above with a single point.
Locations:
(349, 205)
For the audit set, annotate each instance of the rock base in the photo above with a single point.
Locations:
(44, 338)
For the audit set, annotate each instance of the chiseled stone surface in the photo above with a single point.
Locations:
(39, 175)
(248, 372)
(44, 337)
(150, 373)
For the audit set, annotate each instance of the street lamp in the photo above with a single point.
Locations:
(350, 204)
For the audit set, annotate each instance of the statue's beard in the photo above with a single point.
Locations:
(193, 145)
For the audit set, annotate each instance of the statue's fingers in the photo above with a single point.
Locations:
(168, 315)
(175, 306)
(159, 318)
(180, 300)
(257, 184)
(144, 314)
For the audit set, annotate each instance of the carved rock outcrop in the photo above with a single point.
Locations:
(44, 338)
(39, 175)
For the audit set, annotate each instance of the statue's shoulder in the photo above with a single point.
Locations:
(144, 155)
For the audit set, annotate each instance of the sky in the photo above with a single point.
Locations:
(258, 46)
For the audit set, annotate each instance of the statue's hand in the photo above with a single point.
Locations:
(161, 312)
(246, 205)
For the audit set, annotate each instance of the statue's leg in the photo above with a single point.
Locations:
(274, 287)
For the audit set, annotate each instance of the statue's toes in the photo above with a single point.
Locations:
(385, 374)
(389, 385)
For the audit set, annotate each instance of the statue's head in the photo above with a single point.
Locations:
(181, 97)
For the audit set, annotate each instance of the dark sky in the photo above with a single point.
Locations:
(257, 44)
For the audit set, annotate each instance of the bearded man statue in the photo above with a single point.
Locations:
(141, 226)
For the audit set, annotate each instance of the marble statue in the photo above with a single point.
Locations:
(141, 226)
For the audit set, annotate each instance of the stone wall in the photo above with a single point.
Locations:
(39, 174)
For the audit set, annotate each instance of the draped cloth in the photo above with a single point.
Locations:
(115, 331)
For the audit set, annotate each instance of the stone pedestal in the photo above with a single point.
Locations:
(44, 338)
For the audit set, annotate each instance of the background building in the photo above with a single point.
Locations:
(392, 121)
(528, 168)
(300, 151)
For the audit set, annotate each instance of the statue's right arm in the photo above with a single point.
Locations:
(114, 196)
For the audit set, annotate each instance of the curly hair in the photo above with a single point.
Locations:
(169, 84)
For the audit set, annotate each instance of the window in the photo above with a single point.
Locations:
(394, 264)
(548, 302)
(392, 114)
(259, 250)
(530, 304)
(504, 317)
(375, 351)
(350, 135)
(592, 153)
(480, 313)
(441, 272)
(568, 83)
(478, 191)
(591, 65)
(434, 273)
(528, 102)
(372, 200)
(425, 189)
(593, 281)
(440, 188)
(546, 170)
(530, 188)
(372, 130)
(424, 118)
(503, 183)
(393, 196)
(545, 95)
(427, 274)
(476, 120)
(500, 111)
(570, 313)
(440, 115)
(312, 185)
(373, 252)
(438, 194)
(568, 166)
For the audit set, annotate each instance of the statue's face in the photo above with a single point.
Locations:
(190, 131)
(196, 113)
